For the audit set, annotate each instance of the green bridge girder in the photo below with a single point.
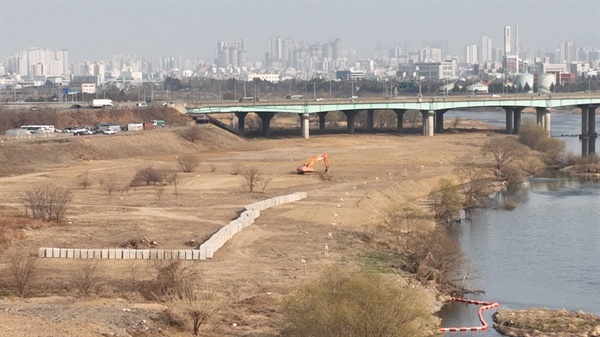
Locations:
(425, 103)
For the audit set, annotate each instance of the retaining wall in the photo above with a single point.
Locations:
(204, 251)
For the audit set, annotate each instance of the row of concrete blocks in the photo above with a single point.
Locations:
(245, 219)
(205, 251)
(117, 253)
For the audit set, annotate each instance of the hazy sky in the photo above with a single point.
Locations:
(96, 29)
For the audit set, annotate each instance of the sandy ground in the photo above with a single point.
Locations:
(253, 272)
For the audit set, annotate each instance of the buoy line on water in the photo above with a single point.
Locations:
(484, 306)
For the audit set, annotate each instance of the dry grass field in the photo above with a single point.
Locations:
(253, 272)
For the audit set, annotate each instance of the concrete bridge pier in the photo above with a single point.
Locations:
(428, 122)
(305, 125)
(588, 130)
(370, 119)
(322, 121)
(439, 120)
(350, 117)
(241, 116)
(509, 119)
(543, 118)
(513, 119)
(266, 122)
(517, 119)
(400, 118)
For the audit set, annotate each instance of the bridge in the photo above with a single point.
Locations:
(432, 110)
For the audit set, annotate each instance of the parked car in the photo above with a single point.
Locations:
(109, 132)
(142, 105)
(76, 106)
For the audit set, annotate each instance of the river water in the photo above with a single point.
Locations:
(544, 253)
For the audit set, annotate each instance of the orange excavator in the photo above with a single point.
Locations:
(308, 167)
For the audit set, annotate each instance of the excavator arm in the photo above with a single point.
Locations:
(309, 166)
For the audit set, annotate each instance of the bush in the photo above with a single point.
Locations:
(589, 164)
(23, 271)
(191, 133)
(341, 304)
(445, 201)
(434, 256)
(504, 150)
(188, 163)
(252, 178)
(148, 175)
(86, 277)
(47, 202)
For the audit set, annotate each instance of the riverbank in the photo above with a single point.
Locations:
(288, 247)
(546, 323)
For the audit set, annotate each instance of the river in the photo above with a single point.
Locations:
(544, 253)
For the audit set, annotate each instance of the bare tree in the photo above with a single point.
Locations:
(159, 191)
(110, 185)
(23, 271)
(147, 175)
(174, 179)
(504, 150)
(188, 163)
(84, 180)
(47, 202)
(472, 184)
(191, 133)
(455, 122)
(401, 225)
(264, 182)
(445, 201)
(86, 277)
(252, 178)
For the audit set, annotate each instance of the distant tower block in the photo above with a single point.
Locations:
(507, 41)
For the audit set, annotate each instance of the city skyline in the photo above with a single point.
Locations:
(95, 30)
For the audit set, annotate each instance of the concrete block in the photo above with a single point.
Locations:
(83, 253)
(132, 254)
(202, 253)
(55, 252)
(139, 255)
(146, 254)
(118, 253)
(69, 253)
(126, 254)
(95, 254)
(77, 253)
(63, 253)
(111, 253)
(181, 254)
(42, 252)
(104, 253)
(195, 254)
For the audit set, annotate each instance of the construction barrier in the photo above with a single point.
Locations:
(205, 251)
(484, 306)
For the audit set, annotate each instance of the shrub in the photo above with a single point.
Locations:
(23, 271)
(504, 150)
(191, 133)
(86, 277)
(445, 201)
(252, 178)
(589, 164)
(343, 304)
(147, 175)
(188, 163)
(84, 180)
(47, 202)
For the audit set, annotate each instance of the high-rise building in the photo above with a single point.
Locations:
(566, 52)
(507, 40)
(485, 54)
(470, 52)
(337, 49)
